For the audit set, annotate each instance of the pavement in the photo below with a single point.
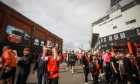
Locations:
(66, 77)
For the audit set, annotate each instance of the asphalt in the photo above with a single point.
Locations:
(66, 77)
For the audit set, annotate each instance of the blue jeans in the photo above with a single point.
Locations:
(41, 78)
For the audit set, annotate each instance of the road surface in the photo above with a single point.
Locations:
(66, 77)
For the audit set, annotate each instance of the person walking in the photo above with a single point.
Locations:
(94, 69)
(115, 67)
(85, 64)
(80, 57)
(122, 69)
(72, 61)
(129, 69)
(108, 67)
(67, 60)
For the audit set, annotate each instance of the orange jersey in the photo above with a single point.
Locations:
(65, 55)
(53, 66)
(13, 60)
(8, 59)
(80, 56)
(97, 69)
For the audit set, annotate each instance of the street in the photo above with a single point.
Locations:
(66, 77)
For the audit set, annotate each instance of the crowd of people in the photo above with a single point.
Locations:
(47, 66)
(115, 67)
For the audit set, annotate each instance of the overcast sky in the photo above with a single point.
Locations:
(69, 19)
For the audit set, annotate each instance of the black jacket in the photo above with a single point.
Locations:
(41, 65)
(128, 66)
(85, 62)
(25, 65)
(72, 57)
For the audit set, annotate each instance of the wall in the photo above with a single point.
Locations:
(10, 17)
(107, 29)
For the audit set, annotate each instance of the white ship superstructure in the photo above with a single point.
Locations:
(120, 26)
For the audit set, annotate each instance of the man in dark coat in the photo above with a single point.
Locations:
(85, 63)
(129, 69)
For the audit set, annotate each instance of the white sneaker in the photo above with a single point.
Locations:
(86, 83)
(99, 76)
(72, 72)
(67, 68)
(91, 77)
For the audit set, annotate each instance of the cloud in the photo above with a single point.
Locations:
(69, 19)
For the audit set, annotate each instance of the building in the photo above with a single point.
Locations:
(114, 2)
(119, 30)
(18, 31)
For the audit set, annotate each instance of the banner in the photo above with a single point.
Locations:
(16, 35)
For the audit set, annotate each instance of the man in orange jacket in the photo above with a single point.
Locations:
(53, 65)
(9, 65)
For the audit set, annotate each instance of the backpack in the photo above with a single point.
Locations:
(72, 57)
(92, 67)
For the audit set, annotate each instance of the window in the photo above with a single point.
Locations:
(102, 45)
(42, 43)
(110, 38)
(50, 43)
(138, 31)
(36, 42)
(122, 35)
(114, 27)
(116, 36)
(104, 39)
(111, 44)
(131, 21)
(101, 40)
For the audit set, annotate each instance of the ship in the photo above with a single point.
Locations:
(119, 29)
